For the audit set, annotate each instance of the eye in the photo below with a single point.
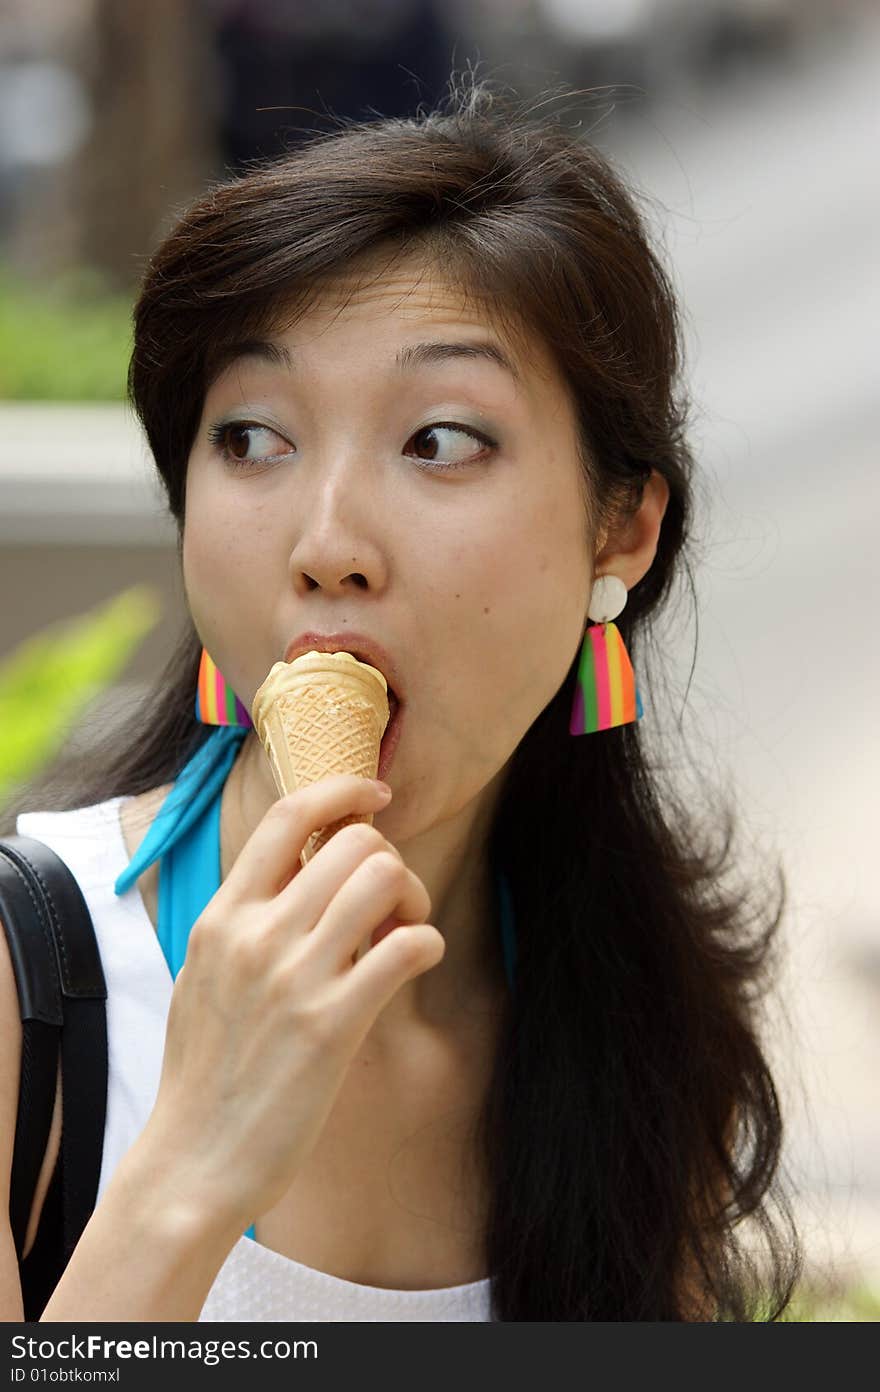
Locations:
(429, 435)
(239, 443)
(236, 440)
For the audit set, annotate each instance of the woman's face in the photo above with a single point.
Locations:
(435, 506)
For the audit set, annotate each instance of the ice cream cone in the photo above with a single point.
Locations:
(321, 714)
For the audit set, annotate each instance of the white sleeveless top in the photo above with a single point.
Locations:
(255, 1283)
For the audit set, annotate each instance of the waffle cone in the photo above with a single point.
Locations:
(322, 714)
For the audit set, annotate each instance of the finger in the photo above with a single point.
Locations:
(381, 887)
(407, 952)
(323, 876)
(270, 857)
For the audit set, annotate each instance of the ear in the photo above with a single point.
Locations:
(627, 548)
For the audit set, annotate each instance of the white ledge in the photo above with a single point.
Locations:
(78, 473)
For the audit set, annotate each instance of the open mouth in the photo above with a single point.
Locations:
(391, 737)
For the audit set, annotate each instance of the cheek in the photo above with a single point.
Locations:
(540, 575)
(516, 607)
(224, 543)
(533, 643)
(221, 574)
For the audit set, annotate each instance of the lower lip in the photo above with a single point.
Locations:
(389, 742)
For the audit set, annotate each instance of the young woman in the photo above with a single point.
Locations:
(413, 392)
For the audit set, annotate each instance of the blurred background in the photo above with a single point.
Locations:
(749, 130)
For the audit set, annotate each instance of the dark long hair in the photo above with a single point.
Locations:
(631, 1122)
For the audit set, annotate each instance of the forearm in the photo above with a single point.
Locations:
(145, 1254)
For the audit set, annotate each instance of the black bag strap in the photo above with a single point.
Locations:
(62, 994)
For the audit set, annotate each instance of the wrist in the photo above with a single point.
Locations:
(171, 1199)
(150, 1251)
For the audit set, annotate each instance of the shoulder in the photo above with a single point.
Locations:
(97, 841)
(137, 814)
(86, 839)
(68, 821)
(132, 815)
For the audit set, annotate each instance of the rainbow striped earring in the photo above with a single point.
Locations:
(605, 693)
(216, 702)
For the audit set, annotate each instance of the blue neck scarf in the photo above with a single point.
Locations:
(185, 834)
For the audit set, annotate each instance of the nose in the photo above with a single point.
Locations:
(338, 547)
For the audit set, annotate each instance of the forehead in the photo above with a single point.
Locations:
(412, 317)
(413, 293)
(412, 285)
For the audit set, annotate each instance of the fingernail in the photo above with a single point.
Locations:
(381, 787)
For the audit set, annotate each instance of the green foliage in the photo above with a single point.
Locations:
(66, 341)
(822, 1299)
(856, 1303)
(47, 682)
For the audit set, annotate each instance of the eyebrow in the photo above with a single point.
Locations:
(408, 359)
(419, 354)
(263, 348)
